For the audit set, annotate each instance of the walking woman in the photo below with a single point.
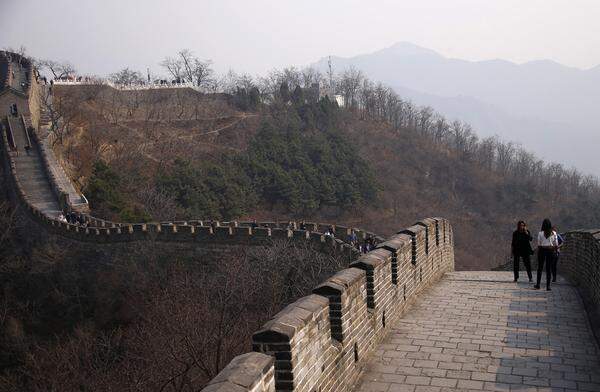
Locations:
(547, 245)
(521, 249)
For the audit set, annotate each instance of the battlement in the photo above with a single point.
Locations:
(322, 341)
(580, 264)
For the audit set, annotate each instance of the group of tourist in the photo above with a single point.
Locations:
(549, 242)
(72, 218)
(366, 245)
(14, 111)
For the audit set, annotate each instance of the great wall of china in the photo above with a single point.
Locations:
(339, 337)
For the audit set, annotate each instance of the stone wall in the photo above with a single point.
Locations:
(322, 341)
(580, 263)
(34, 97)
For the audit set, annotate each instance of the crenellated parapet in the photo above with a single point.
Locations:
(322, 341)
(580, 263)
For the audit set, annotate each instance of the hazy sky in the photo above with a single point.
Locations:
(102, 36)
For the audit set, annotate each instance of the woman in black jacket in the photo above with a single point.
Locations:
(521, 248)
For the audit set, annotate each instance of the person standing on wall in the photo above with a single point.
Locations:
(560, 241)
(521, 249)
(547, 246)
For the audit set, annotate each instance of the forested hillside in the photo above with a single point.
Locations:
(273, 148)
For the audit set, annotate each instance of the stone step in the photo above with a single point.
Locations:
(25, 171)
(30, 165)
(39, 192)
(30, 169)
(36, 176)
(33, 183)
(47, 206)
(41, 197)
(44, 204)
(31, 173)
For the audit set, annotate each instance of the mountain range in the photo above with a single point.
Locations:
(549, 108)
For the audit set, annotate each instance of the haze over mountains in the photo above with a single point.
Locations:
(549, 108)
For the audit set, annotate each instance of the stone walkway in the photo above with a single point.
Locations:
(31, 174)
(477, 331)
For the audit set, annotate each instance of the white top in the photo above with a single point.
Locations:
(550, 241)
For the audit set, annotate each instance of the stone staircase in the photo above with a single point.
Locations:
(45, 118)
(30, 172)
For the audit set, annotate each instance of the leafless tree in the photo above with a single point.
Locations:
(7, 222)
(126, 76)
(174, 67)
(187, 67)
(349, 84)
(311, 76)
(58, 69)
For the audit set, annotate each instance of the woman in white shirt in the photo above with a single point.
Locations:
(547, 244)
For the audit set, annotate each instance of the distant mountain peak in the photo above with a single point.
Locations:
(410, 49)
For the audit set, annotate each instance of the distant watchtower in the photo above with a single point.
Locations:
(18, 86)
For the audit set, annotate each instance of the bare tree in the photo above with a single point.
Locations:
(7, 222)
(174, 67)
(349, 84)
(126, 76)
(311, 76)
(187, 67)
(58, 69)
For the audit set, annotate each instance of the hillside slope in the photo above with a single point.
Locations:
(366, 172)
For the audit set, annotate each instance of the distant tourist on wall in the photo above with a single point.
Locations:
(330, 232)
(521, 249)
(547, 246)
(368, 245)
(303, 225)
(557, 253)
(254, 224)
(352, 238)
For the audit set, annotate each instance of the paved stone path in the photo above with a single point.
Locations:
(478, 331)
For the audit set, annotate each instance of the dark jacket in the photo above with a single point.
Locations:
(521, 243)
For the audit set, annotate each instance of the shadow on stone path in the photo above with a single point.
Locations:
(477, 331)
